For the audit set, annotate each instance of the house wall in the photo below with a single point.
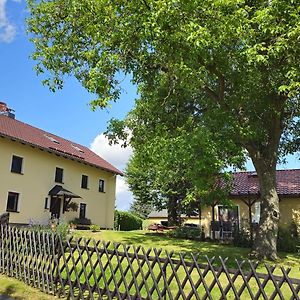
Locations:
(38, 179)
(287, 207)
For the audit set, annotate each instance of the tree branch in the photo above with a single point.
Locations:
(211, 93)
(221, 87)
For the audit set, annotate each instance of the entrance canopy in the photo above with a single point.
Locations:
(57, 194)
(58, 190)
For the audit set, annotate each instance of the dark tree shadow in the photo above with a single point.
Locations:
(200, 248)
(9, 292)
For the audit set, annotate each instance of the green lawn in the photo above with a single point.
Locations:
(150, 240)
(20, 291)
(157, 240)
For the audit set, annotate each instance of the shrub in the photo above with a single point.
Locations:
(288, 239)
(191, 233)
(127, 221)
(95, 228)
(241, 238)
(83, 221)
(63, 230)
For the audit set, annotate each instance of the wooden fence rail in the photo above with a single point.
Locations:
(89, 269)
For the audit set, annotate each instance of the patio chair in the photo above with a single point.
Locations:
(215, 226)
(227, 230)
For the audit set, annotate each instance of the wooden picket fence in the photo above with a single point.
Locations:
(89, 269)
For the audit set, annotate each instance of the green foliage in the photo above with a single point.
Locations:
(172, 167)
(63, 230)
(288, 239)
(127, 221)
(241, 238)
(95, 228)
(231, 67)
(72, 206)
(141, 208)
(186, 233)
(78, 221)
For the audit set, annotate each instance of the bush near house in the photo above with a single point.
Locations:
(127, 221)
(186, 233)
(241, 238)
(82, 223)
(288, 238)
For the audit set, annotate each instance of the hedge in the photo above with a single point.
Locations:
(127, 221)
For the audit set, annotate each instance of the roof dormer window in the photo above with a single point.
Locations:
(77, 148)
(52, 139)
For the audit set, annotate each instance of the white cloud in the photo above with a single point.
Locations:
(7, 29)
(118, 157)
(123, 195)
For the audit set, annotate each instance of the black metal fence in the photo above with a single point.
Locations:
(89, 269)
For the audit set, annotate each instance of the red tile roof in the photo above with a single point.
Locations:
(28, 134)
(287, 183)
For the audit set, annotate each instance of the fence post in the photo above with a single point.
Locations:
(164, 269)
(57, 253)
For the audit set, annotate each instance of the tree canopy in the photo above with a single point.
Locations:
(238, 60)
(176, 161)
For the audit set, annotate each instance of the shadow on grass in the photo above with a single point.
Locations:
(200, 248)
(9, 292)
(210, 249)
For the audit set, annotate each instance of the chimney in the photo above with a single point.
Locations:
(5, 111)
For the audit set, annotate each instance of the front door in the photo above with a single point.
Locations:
(55, 207)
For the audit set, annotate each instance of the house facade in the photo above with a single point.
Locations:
(43, 175)
(245, 208)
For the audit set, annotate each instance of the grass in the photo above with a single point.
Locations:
(20, 291)
(158, 240)
(150, 240)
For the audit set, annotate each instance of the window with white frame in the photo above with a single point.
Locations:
(256, 216)
(101, 186)
(16, 164)
(12, 202)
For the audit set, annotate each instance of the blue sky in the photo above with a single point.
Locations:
(66, 112)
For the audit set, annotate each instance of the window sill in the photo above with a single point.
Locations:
(85, 188)
(102, 192)
(58, 182)
(13, 211)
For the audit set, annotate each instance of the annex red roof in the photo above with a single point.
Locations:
(28, 134)
(287, 183)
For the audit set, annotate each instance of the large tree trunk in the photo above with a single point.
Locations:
(174, 218)
(264, 155)
(265, 242)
